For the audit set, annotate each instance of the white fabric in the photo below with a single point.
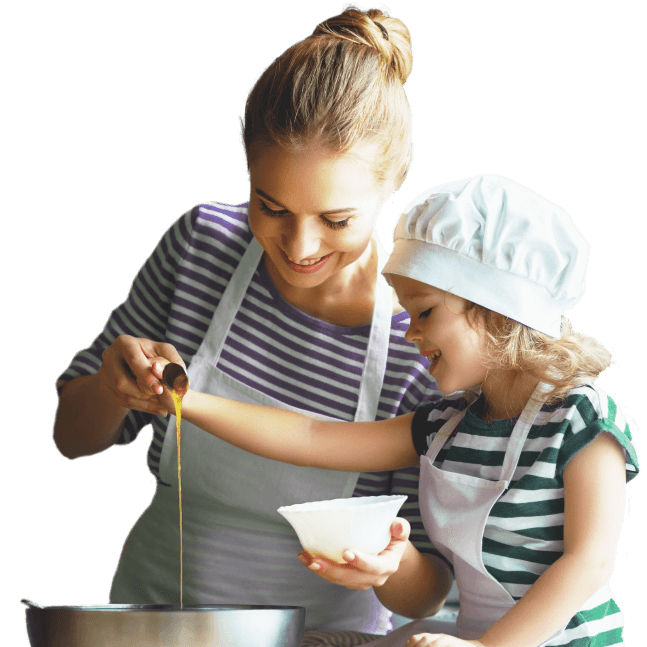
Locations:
(455, 508)
(496, 243)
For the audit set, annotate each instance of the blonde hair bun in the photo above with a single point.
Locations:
(340, 86)
(375, 29)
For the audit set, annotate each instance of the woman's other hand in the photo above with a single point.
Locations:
(126, 377)
(363, 571)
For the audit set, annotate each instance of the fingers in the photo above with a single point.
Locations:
(362, 571)
(342, 574)
(438, 640)
(127, 376)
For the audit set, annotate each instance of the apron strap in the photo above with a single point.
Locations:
(232, 297)
(521, 431)
(378, 345)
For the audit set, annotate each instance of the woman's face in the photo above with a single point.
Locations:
(313, 211)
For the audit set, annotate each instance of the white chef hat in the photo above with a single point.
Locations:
(496, 243)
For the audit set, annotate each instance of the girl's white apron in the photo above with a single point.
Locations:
(237, 548)
(455, 508)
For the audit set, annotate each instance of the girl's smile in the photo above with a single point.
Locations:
(455, 345)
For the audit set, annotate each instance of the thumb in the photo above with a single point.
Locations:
(400, 529)
(157, 366)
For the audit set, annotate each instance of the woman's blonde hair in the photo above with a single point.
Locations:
(564, 363)
(341, 86)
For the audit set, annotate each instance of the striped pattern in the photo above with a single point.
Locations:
(319, 638)
(272, 346)
(525, 530)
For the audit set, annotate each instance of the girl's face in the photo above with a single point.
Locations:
(312, 211)
(443, 334)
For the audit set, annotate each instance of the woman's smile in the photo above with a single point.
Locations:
(307, 265)
(313, 212)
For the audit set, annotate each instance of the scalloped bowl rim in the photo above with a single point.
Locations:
(350, 503)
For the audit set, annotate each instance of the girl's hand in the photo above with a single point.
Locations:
(439, 640)
(363, 571)
(126, 376)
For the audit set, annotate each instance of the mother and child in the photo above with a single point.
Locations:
(466, 384)
(523, 461)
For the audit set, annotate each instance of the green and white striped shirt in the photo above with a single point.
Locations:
(524, 533)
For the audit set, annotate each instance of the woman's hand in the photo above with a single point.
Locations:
(126, 377)
(363, 571)
(439, 640)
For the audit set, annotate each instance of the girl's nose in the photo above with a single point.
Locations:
(412, 334)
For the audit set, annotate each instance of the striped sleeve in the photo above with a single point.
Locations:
(595, 412)
(143, 314)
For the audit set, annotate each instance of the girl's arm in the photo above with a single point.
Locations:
(594, 503)
(294, 438)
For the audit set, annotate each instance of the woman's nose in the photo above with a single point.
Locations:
(300, 240)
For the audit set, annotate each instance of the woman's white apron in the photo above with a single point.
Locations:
(455, 508)
(237, 548)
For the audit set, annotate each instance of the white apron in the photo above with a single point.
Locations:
(237, 548)
(455, 508)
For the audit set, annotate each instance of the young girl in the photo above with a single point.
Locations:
(523, 462)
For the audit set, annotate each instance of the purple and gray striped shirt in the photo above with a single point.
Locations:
(271, 346)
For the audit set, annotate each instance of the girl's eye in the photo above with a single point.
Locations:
(425, 314)
(332, 224)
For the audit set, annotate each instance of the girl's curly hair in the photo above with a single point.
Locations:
(564, 363)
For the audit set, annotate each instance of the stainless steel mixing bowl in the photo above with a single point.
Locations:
(154, 625)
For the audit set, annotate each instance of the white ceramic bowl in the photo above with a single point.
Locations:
(329, 528)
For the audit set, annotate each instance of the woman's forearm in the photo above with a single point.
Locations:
(419, 587)
(86, 423)
(549, 604)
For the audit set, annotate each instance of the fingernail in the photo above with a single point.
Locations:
(348, 556)
(302, 558)
(314, 566)
(158, 388)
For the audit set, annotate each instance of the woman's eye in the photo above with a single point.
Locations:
(338, 224)
(425, 314)
(280, 213)
(270, 212)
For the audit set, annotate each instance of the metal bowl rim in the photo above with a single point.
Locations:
(169, 607)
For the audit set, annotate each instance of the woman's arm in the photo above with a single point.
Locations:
(92, 408)
(85, 422)
(594, 503)
(294, 438)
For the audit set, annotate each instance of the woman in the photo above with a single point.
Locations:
(279, 302)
